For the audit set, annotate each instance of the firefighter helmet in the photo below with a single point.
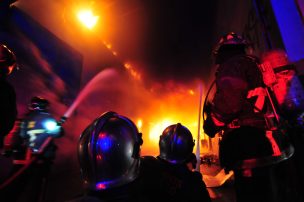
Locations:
(7, 60)
(281, 75)
(228, 40)
(176, 144)
(276, 58)
(109, 151)
(39, 103)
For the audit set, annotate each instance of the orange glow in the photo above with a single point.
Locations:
(109, 46)
(191, 92)
(165, 105)
(87, 18)
(139, 124)
(134, 73)
(127, 65)
(156, 129)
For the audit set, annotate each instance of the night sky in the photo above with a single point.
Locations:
(179, 38)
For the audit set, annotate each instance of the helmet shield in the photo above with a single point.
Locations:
(176, 144)
(276, 58)
(107, 152)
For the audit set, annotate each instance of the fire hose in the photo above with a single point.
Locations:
(27, 163)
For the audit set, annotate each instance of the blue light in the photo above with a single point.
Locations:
(50, 125)
(104, 142)
(179, 141)
(291, 27)
(100, 186)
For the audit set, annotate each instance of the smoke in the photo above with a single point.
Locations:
(155, 106)
(36, 78)
(160, 98)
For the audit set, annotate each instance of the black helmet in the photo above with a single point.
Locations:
(7, 60)
(176, 144)
(229, 40)
(109, 151)
(39, 103)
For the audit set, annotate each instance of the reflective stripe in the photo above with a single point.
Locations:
(234, 124)
(275, 148)
(33, 135)
(216, 121)
(261, 94)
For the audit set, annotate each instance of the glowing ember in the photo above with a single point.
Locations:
(127, 65)
(109, 46)
(132, 70)
(191, 92)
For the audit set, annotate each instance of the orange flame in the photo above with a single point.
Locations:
(179, 105)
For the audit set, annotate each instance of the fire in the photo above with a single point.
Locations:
(164, 106)
(132, 70)
(157, 128)
(87, 18)
(139, 124)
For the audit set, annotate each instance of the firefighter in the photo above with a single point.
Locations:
(178, 181)
(280, 75)
(109, 157)
(38, 129)
(8, 107)
(253, 144)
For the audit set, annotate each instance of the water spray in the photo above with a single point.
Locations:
(198, 150)
(106, 73)
(52, 126)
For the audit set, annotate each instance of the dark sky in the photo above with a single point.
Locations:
(179, 37)
(176, 36)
